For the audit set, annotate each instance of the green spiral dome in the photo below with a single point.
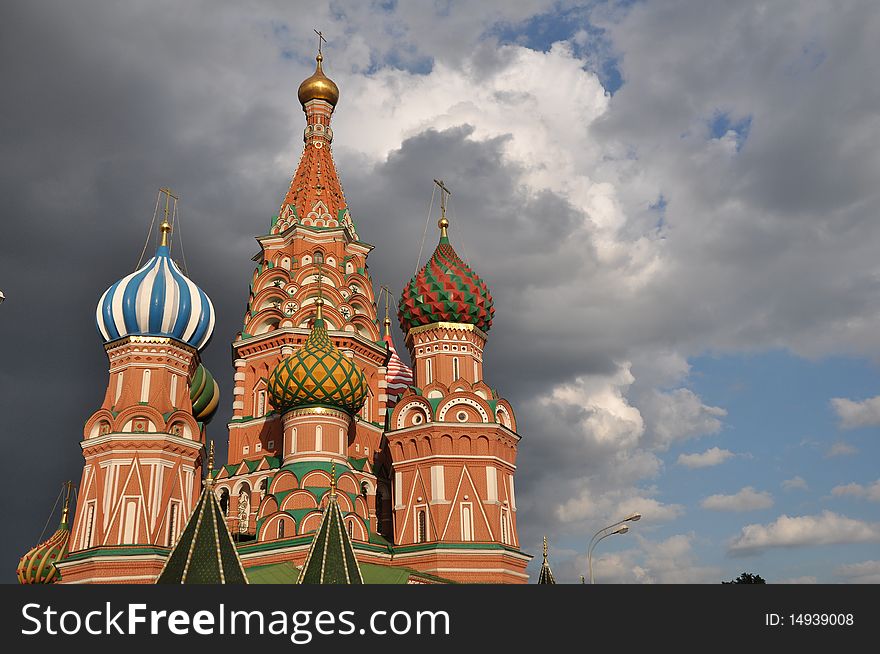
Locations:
(205, 394)
(318, 374)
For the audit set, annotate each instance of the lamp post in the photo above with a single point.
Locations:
(621, 529)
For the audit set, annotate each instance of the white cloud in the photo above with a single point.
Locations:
(861, 413)
(669, 561)
(826, 528)
(795, 483)
(616, 505)
(679, 415)
(712, 457)
(840, 449)
(747, 499)
(866, 572)
(869, 492)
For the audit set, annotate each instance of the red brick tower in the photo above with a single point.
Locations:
(452, 439)
(312, 248)
(143, 447)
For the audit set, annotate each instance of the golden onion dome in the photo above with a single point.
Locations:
(318, 86)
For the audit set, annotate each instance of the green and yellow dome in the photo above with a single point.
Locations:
(204, 394)
(318, 374)
(38, 565)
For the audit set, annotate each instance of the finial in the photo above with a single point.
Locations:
(387, 315)
(443, 223)
(333, 479)
(209, 479)
(165, 227)
(319, 303)
(545, 549)
(66, 510)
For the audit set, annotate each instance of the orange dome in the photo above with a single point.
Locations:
(318, 86)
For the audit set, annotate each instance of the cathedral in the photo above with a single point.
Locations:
(344, 465)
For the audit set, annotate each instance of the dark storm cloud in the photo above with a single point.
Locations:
(104, 104)
(768, 242)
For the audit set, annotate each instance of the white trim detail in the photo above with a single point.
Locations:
(438, 484)
(462, 400)
(491, 484)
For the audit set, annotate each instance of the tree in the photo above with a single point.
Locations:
(746, 578)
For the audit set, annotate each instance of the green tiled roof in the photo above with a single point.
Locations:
(273, 573)
(373, 573)
(204, 553)
(546, 575)
(357, 464)
(331, 558)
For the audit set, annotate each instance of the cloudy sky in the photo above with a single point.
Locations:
(674, 204)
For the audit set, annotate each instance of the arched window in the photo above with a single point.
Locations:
(423, 526)
(467, 522)
(244, 508)
(224, 502)
(319, 256)
(364, 488)
(90, 525)
(145, 387)
(281, 528)
(172, 523)
(454, 368)
(261, 404)
(264, 487)
(130, 524)
(428, 371)
(351, 528)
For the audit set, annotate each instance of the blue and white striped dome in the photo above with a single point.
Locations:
(156, 300)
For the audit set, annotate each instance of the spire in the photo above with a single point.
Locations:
(315, 190)
(209, 478)
(331, 558)
(204, 553)
(546, 575)
(398, 375)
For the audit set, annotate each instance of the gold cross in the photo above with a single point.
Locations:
(165, 227)
(320, 39)
(444, 192)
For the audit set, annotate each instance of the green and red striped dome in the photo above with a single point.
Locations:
(445, 290)
(38, 565)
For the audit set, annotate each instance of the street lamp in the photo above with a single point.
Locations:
(621, 529)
